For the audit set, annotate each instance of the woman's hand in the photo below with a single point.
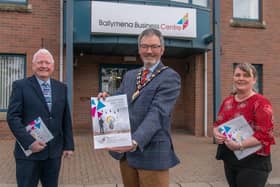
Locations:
(232, 145)
(220, 138)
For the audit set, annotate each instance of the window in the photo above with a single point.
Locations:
(258, 85)
(203, 3)
(13, 1)
(11, 69)
(182, 1)
(249, 9)
(112, 75)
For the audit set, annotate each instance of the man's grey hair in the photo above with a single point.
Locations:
(42, 51)
(151, 32)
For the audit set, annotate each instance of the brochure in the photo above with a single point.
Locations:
(110, 122)
(238, 130)
(39, 131)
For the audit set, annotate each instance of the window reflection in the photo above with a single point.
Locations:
(182, 1)
(200, 2)
(112, 75)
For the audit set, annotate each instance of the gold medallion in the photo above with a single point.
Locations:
(135, 94)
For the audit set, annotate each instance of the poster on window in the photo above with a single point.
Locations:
(110, 122)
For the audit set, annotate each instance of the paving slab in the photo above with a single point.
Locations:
(273, 182)
(8, 185)
(89, 167)
(219, 184)
(195, 184)
(101, 185)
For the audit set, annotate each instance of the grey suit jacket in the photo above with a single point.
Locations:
(27, 103)
(150, 118)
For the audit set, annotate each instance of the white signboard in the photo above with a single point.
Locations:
(121, 18)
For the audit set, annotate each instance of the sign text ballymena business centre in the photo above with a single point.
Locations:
(132, 19)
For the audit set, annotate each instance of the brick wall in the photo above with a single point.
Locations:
(24, 31)
(254, 45)
(179, 118)
(199, 95)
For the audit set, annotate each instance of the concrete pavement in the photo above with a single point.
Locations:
(90, 168)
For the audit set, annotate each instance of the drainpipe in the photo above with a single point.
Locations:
(61, 43)
(69, 50)
(205, 94)
(216, 58)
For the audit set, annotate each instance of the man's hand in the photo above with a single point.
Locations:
(67, 154)
(37, 146)
(131, 148)
(121, 149)
(102, 95)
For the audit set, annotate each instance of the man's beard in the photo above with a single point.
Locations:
(149, 62)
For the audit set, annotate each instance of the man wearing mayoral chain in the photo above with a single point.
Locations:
(152, 91)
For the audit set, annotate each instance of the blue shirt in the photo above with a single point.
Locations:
(41, 82)
(152, 69)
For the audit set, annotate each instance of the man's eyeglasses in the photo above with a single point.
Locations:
(146, 47)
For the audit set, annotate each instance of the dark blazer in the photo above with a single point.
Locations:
(150, 119)
(27, 103)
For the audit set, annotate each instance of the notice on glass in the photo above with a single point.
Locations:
(238, 130)
(39, 131)
(110, 122)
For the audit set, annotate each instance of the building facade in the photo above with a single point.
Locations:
(104, 42)
(25, 26)
(249, 33)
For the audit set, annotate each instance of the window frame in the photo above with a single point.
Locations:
(207, 4)
(249, 23)
(23, 56)
(181, 1)
(260, 13)
(259, 68)
(190, 3)
(14, 2)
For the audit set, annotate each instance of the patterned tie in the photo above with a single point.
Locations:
(144, 76)
(47, 94)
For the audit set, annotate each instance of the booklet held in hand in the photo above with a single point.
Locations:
(39, 131)
(238, 130)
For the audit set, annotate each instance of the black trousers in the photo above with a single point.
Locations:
(29, 172)
(245, 177)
